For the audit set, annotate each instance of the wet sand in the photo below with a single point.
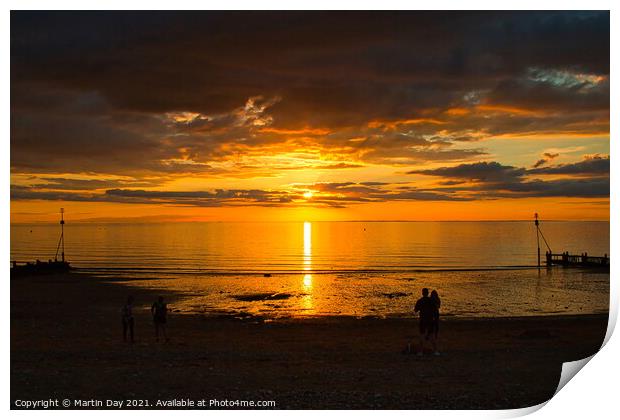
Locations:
(66, 342)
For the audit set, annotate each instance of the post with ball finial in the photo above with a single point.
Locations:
(537, 236)
(61, 241)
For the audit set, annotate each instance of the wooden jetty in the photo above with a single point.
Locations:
(39, 267)
(583, 260)
(565, 259)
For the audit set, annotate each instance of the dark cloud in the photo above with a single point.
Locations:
(583, 188)
(91, 184)
(326, 194)
(19, 192)
(481, 172)
(202, 198)
(217, 198)
(547, 157)
(597, 165)
(494, 180)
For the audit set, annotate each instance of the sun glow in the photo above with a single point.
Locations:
(308, 195)
(307, 279)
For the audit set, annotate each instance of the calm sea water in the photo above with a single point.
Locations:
(338, 268)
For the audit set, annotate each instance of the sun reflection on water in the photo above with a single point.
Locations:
(306, 302)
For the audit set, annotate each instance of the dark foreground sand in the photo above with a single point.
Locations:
(66, 343)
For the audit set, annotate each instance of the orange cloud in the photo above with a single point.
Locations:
(294, 132)
(391, 125)
(457, 112)
(552, 134)
(504, 109)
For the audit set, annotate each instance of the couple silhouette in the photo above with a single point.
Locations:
(428, 308)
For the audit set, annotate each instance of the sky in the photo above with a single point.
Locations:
(268, 116)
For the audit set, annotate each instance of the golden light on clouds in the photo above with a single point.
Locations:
(325, 131)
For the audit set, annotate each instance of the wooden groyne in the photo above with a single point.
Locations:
(584, 260)
(39, 267)
(49, 267)
(565, 259)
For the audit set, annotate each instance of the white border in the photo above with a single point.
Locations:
(591, 395)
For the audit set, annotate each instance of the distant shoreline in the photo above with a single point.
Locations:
(140, 221)
(218, 272)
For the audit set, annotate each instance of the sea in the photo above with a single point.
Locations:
(363, 269)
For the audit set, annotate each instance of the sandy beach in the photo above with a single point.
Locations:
(66, 342)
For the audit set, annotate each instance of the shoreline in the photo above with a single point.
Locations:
(123, 271)
(472, 295)
(66, 343)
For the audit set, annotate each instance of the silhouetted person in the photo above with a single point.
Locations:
(426, 308)
(127, 318)
(437, 303)
(159, 310)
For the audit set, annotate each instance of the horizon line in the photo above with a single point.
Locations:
(129, 221)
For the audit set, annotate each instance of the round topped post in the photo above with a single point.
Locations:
(537, 237)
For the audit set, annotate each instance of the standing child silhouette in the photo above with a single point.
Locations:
(159, 310)
(127, 319)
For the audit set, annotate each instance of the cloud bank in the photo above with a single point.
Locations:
(113, 106)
